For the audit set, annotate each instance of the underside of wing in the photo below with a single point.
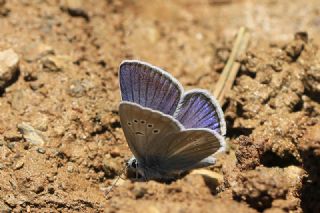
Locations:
(149, 86)
(189, 147)
(198, 109)
(208, 161)
(145, 130)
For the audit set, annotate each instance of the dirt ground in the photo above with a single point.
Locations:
(61, 142)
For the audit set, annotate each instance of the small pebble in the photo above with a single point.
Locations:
(38, 189)
(59, 130)
(36, 85)
(87, 176)
(54, 63)
(173, 189)
(11, 200)
(41, 123)
(19, 100)
(30, 134)
(51, 190)
(63, 186)
(115, 153)
(76, 89)
(9, 68)
(41, 150)
(70, 168)
(26, 146)
(75, 8)
(11, 145)
(19, 165)
(11, 136)
(50, 177)
(139, 191)
(4, 11)
(4, 207)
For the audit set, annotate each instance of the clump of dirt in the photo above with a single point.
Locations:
(267, 102)
(61, 142)
(266, 187)
(270, 104)
(248, 153)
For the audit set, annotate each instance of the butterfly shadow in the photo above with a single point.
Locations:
(136, 177)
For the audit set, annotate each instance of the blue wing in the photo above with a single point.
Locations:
(199, 110)
(149, 86)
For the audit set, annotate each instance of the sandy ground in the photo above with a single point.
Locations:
(61, 142)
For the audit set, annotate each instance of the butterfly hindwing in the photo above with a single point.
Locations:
(189, 147)
(149, 86)
(199, 110)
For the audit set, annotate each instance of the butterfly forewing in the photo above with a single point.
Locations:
(149, 86)
(199, 110)
(146, 130)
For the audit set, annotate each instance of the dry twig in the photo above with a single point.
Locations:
(230, 71)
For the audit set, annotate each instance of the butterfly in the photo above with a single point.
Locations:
(169, 131)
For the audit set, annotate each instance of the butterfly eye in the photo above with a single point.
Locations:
(134, 164)
(136, 121)
(143, 121)
(129, 123)
(156, 131)
(150, 125)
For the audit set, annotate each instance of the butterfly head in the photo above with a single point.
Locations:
(132, 163)
(137, 168)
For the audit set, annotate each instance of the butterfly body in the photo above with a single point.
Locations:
(153, 172)
(167, 131)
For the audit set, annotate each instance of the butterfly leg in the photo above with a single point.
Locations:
(145, 177)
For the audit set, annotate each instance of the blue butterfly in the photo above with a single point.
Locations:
(168, 131)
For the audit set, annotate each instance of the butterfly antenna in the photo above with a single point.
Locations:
(115, 181)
